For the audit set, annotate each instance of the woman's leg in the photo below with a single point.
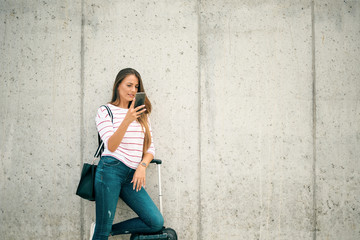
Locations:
(108, 181)
(150, 219)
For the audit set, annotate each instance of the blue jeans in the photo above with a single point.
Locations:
(112, 180)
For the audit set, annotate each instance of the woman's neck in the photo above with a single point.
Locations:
(121, 104)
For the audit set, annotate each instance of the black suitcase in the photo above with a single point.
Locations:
(165, 233)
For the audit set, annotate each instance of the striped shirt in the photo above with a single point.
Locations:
(130, 150)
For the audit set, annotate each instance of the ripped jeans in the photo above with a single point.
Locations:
(112, 180)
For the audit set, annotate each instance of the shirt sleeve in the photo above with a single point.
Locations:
(104, 125)
(152, 147)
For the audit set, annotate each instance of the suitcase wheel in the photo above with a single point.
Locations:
(171, 234)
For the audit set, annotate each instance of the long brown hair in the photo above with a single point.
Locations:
(143, 119)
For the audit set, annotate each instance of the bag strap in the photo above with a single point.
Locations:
(100, 148)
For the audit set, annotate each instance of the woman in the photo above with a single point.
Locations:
(129, 149)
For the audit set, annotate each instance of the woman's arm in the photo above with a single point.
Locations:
(139, 178)
(115, 140)
(132, 114)
(148, 157)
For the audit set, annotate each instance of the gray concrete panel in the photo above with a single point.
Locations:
(256, 120)
(337, 47)
(159, 39)
(40, 116)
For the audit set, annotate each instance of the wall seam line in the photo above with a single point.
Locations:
(313, 71)
(82, 112)
(199, 226)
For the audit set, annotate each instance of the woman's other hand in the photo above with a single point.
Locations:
(139, 178)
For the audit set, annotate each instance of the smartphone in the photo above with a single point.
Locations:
(139, 99)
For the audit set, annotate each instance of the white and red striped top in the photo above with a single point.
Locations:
(131, 147)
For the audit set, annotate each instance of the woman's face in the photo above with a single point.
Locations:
(127, 89)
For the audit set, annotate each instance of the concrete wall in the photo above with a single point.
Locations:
(337, 53)
(256, 121)
(256, 113)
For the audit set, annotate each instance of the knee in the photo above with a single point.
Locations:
(157, 223)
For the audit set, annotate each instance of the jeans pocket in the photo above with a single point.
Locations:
(109, 161)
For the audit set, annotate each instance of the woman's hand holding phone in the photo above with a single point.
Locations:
(134, 113)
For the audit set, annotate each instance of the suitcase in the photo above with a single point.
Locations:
(165, 233)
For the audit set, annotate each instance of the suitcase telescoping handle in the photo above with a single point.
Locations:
(158, 164)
